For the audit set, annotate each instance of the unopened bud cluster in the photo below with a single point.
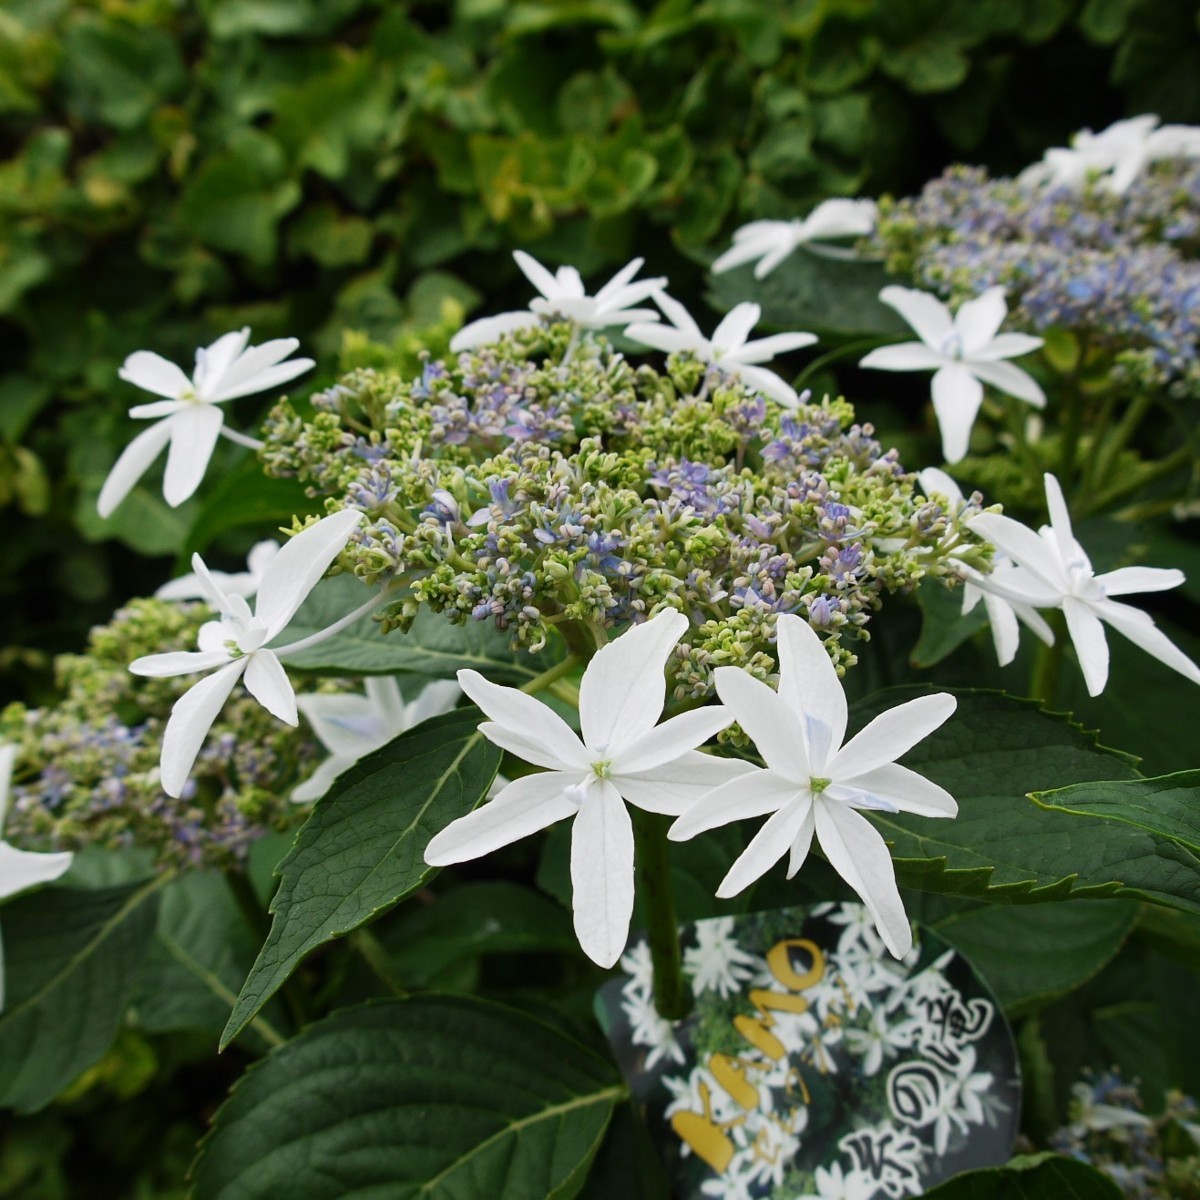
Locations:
(549, 482)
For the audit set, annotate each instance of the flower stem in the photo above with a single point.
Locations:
(242, 439)
(315, 639)
(1047, 664)
(855, 347)
(549, 676)
(672, 996)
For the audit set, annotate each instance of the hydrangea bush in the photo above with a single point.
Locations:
(596, 571)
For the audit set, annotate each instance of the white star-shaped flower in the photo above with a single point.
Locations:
(623, 755)
(772, 241)
(813, 785)
(1055, 572)
(238, 583)
(728, 350)
(1004, 613)
(965, 350)
(1115, 156)
(237, 644)
(191, 419)
(563, 297)
(351, 726)
(21, 869)
(717, 963)
(832, 1183)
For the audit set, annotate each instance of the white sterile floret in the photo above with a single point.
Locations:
(351, 725)
(623, 756)
(21, 869)
(563, 297)
(770, 242)
(1055, 572)
(191, 420)
(1115, 156)
(1003, 611)
(965, 350)
(237, 583)
(728, 349)
(237, 644)
(815, 786)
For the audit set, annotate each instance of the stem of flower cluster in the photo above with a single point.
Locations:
(672, 996)
(1047, 664)
(550, 676)
(315, 639)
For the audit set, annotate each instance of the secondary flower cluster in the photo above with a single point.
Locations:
(87, 770)
(1118, 268)
(511, 486)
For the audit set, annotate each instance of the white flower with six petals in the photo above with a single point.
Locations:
(622, 756)
(190, 417)
(728, 349)
(813, 785)
(1056, 572)
(965, 352)
(237, 644)
(239, 583)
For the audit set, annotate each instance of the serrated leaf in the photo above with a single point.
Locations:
(430, 1097)
(433, 646)
(1036, 1177)
(1165, 808)
(362, 849)
(71, 959)
(990, 756)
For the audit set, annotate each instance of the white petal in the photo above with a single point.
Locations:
(267, 682)
(907, 356)
(1091, 646)
(774, 257)
(322, 779)
(748, 249)
(622, 278)
(153, 373)
(808, 680)
(752, 794)
(262, 555)
(890, 735)
(765, 349)
(538, 275)
(530, 747)
(527, 718)
(1006, 632)
(766, 382)
(299, 565)
(1007, 345)
(767, 846)
(1140, 629)
(1126, 580)
(160, 408)
(178, 662)
(213, 361)
(906, 790)
(523, 807)
(735, 326)
(768, 721)
(264, 380)
(21, 869)
(1010, 380)
(678, 316)
(437, 697)
(841, 217)
(927, 315)
(802, 842)
(666, 742)
(491, 329)
(957, 395)
(978, 321)
(935, 482)
(1024, 547)
(133, 463)
(191, 719)
(8, 758)
(857, 852)
(1060, 521)
(668, 339)
(194, 433)
(624, 687)
(344, 723)
(602, 874)
(675, 786)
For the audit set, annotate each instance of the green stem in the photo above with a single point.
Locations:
(842, 352)
(1072, 428)
(1047, 664)
(375, 955)
(1107, 454)
(672, 996)
(1138, 479)
(550, 675)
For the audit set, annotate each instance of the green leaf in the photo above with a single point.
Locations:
(430, 1097)
(201, 953)
(944, 626)
(1166, 808)
(990, 756)
(434, 646)
(1035, 1177)
(808, 291)
(1028, 962)
(71, 959)
(362, 849)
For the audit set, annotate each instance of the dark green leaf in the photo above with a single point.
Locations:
(1036, 1177)
(71, 959)
(431, 1097)
(433, 646)
(944, 627)
(362, 849)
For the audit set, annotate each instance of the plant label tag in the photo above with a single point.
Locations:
(814, 1066)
